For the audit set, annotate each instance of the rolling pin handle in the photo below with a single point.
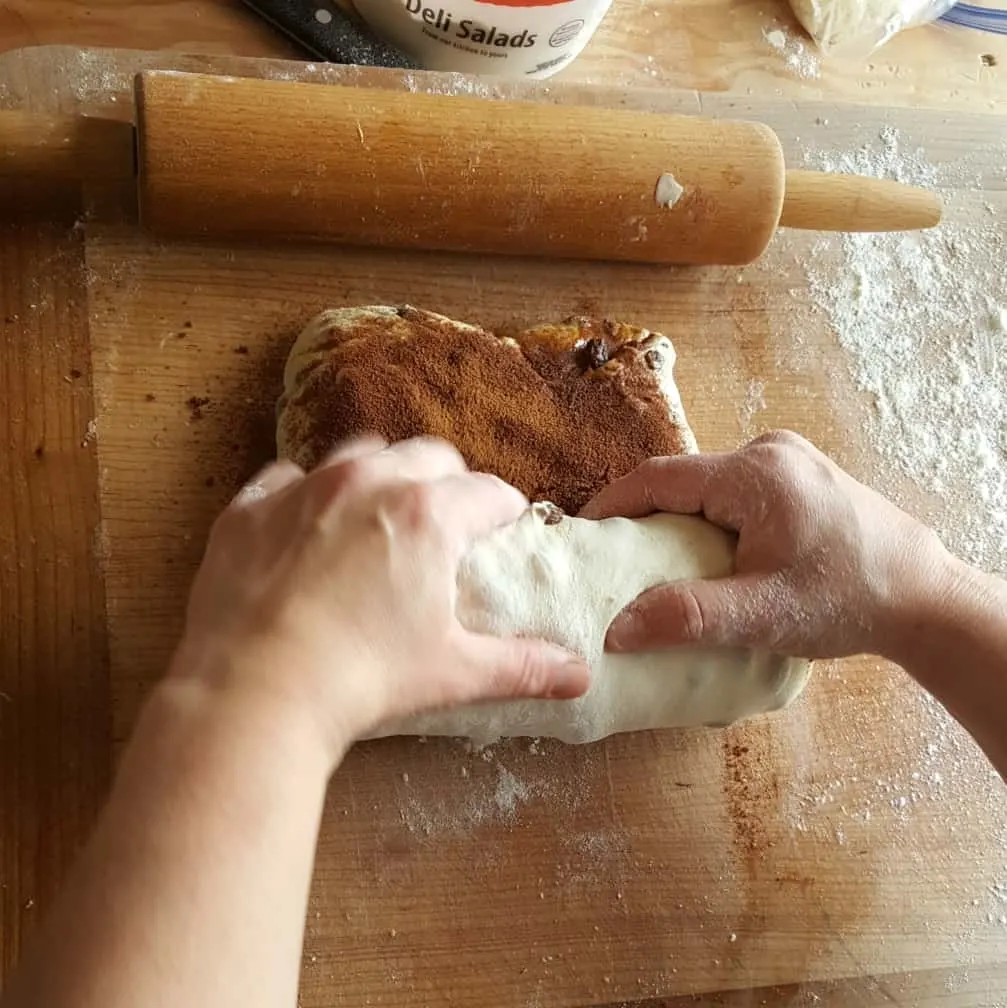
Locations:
(824, 201)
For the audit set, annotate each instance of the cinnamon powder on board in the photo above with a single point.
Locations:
(559, 412)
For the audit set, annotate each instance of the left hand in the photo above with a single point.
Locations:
(335, 591)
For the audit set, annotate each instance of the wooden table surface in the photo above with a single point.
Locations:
(709, 45)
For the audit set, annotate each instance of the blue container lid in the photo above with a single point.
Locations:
(988, 19)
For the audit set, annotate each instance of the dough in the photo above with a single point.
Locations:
(858, 26)
(558, 410)
(565, 582)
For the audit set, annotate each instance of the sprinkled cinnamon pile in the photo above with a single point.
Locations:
(559, 412)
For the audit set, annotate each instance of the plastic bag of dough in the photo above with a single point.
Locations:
(858, 26)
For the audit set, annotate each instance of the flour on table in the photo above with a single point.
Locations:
(499, 787)
(798, 56)
(754, 402)
(493, 800)
(921, 318)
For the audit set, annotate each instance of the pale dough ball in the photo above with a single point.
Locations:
(857, 25)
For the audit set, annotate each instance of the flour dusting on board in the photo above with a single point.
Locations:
(754, 402)
(799, 57)
(95, 77)
(919, 318)
(450, 84)
(922, 317)
(492, 792)
(931, 808)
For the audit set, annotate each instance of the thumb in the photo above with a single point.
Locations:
(513, 668)
(739, 611)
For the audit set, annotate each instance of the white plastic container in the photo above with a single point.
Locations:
(500, 38)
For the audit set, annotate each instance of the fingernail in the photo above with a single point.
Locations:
(622, 632)
(570, 680)
(250, 493)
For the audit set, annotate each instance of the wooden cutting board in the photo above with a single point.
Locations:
(851, 848)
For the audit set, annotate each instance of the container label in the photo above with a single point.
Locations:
(442, 21)
(513, 38)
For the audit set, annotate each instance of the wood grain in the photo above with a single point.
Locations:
(826, 201)
(62, 148)
(966, 988)
(54, 695)
(617, 872)
(655, 866)
(226, 157)
(707, 45)
(199, 26)
(221, 156)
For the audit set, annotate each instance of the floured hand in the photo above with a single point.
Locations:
(825, 566)
(336, 591)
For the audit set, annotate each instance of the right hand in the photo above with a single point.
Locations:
(825, 566)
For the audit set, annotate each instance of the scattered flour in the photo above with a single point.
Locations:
(935, 808)
(602, 844)
(509, 792)
(922, 317)
(94, 77)
(755, 402)
(485, 801)
(492, 793)
(448, 83)
(799, 57)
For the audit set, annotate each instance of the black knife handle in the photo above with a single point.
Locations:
(327, 32)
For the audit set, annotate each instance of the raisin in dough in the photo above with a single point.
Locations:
(565, 582)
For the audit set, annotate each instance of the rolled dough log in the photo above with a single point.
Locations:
(565, 579)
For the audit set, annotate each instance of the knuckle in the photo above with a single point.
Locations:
(777, 460)
(285, 469)
(651, 474)
(692, 618)
(346, 476)
(429, 454)
(352, 472)
(527, 676)
(780, 436)
(655, 467)
(781, 452)
(239, 514)
(781, 458)
(414, 505)
(766, 438)
(234, 526)
(432, 444)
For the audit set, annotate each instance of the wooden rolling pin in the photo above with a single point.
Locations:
(226, 156)
(230, 156)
